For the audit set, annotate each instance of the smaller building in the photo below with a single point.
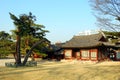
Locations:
(55, 52)
(92, 47)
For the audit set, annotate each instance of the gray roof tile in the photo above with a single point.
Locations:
(84, 41)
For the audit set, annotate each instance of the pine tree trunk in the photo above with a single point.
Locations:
(18, 62)
(30, 51)
(15, 56)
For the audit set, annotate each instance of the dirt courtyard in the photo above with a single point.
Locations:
(51, 70)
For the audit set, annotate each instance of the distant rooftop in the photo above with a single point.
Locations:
(88, 32)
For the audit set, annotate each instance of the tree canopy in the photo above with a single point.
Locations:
(26, 28)
(107, 13)
(6, 44)
(4, 36)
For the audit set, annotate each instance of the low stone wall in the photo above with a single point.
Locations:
(29, 64)
(3, 61)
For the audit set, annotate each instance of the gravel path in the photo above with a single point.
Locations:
(3, 61)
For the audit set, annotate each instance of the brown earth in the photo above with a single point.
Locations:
(51, 70)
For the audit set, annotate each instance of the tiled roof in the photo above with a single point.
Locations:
(85, 41)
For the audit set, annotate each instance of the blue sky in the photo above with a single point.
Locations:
(63, 18)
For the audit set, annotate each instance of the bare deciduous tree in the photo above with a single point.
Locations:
(107, 13)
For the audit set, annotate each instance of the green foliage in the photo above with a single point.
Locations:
(117, 34)
(27, 32)
(39, 50)
(4, 36)
(27, 26)
(113, 36)
(6, 44)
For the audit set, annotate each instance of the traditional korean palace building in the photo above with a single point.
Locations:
(94, 47)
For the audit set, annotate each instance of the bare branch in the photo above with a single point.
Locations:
(107, 13)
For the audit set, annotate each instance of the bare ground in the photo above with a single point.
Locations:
(51, 70)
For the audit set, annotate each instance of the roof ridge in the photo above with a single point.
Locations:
(85, 41)
(87, 35)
